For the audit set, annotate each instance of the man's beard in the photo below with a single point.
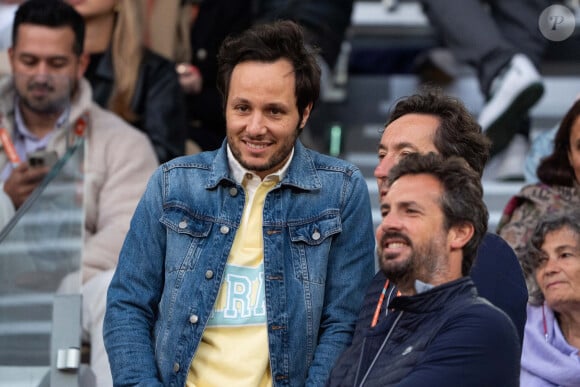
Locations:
(422, 259)
(54, 101)
(287, 144)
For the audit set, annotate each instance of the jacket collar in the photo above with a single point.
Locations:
(437, 297)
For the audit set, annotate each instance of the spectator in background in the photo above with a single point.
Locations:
(40, 104)
(247, 264)
(501, 40)
(130, 80)
(558, 189)
(552, 336)
(542, 146)
(437, 331)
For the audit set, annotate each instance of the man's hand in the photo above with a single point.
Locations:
(23, 180)
(190, 78)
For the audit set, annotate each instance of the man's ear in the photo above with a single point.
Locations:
(305, 115)
(460, 234)
(84, 60)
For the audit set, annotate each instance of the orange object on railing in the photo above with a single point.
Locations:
(9, 147)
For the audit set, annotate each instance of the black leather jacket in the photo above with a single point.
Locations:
(158, 101)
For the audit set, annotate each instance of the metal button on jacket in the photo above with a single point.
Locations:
(193, 319)
(175, 367)
(316, 235)
(182, 224)
(209, 274)
(224, 229)
(233, 191)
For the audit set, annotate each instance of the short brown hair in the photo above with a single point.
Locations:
(458, 133)
(269, 43)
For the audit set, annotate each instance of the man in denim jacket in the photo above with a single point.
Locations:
(209, 292)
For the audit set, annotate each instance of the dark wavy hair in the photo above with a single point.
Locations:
(268, 43)
(462, 199)
(531, 259)
(51, 13)
(458, 133)
(555, 169)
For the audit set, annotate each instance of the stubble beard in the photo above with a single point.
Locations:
(54, 102)
(277, 158)
(420, 260)
(45, 107)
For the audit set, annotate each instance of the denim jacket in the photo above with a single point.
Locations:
(318, 261)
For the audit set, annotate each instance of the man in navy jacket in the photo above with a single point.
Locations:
(431, 328)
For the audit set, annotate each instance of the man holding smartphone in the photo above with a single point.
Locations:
(43, 104)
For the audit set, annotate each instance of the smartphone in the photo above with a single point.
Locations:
(42, 158)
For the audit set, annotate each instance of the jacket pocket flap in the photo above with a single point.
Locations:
(316, 231)
(180, 221)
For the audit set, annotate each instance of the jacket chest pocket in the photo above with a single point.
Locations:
(311, 242)
(186, 237)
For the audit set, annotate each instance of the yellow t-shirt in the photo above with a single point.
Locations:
(234, 347)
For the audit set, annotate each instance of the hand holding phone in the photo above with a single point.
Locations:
(42, 158)
(22, 181)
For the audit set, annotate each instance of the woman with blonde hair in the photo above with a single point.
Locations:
(132, 81)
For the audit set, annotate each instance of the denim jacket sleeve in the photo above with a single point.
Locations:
(134, 294)
(350, 271)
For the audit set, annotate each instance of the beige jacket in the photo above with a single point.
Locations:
(120, 160)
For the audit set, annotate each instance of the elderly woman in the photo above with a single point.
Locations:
(550, 355)
(557, 192)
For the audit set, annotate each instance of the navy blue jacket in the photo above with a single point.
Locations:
(498, 277)
(496, 273)
(446, 336)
